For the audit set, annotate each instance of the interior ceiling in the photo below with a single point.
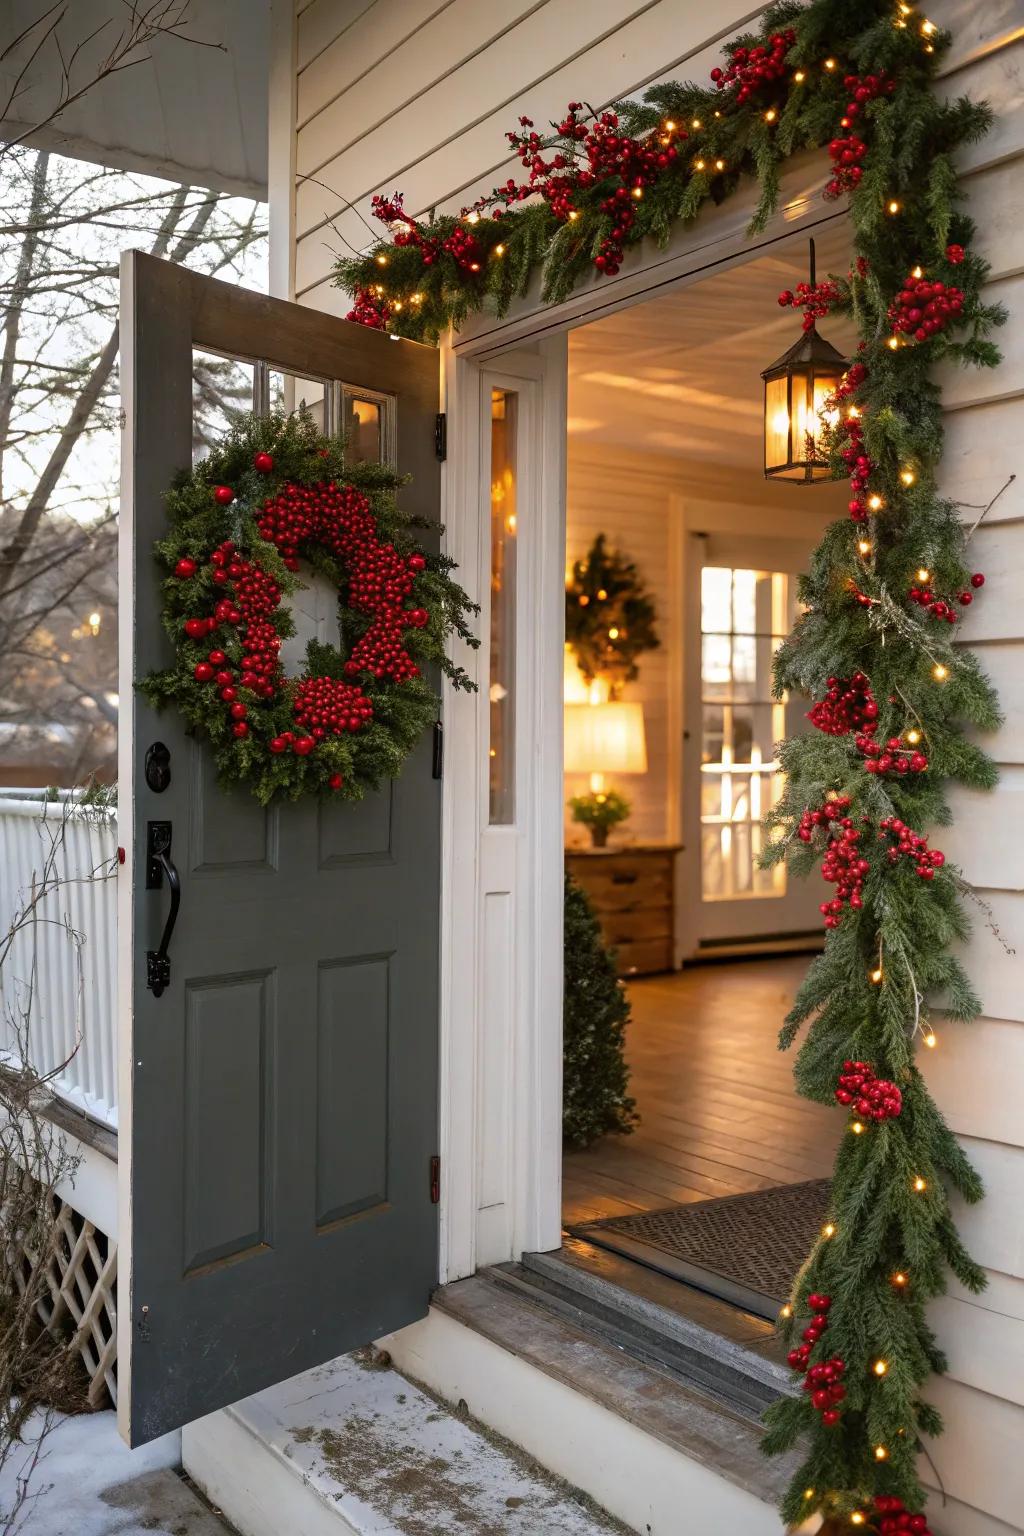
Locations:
(680, 374)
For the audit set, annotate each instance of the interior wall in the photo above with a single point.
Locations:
(646, 505)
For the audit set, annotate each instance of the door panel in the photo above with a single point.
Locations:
(279, 1100)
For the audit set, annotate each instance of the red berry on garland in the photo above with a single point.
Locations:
(240, 728)
(417, 617)
(203, 672)
(195, 628)
(830, 1417)
(416, 563)
(336, 781)
(978, 579)
(303, 745)
(239, 710)
(228, 694)
(263, 462)
(955, 254)
(277, 744)
(185, 568)
(218, 658)
(224, 494)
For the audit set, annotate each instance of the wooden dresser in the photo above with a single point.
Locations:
(632, 891)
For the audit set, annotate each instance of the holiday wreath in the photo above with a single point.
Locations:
(275, 493)
(882, 599)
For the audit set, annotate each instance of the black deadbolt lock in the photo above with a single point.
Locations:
(158, 767)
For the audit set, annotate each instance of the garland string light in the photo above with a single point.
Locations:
(885, 592)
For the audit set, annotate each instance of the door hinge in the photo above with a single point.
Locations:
(441, 436)
(435, 1180)
(437, 765)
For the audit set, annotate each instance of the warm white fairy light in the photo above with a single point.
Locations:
(893, 206)
(864, 546)
(875, 503)
(939, 672)
(880, 1367)
(919, 1185)
(931, 1039)
(907, 476)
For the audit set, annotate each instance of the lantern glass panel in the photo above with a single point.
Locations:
(776, 422)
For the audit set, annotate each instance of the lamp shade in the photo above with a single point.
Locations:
(605, 738)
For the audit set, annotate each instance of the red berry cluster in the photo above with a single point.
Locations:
(815, 301)
(844, 864)
(325, 704)
(910, 844)
(849, 705)
(338, 518)
(923, 308)
(750, 68)
(370, 309)
(847, 170)
(873, 1098)
(822, 1381)
(464, 248)
(896, 1518)
(894, 757)
(626, 163)
(391, 211)
(847, 154)
(942, 607)
(853, 455)
(955, 254)
(254, 596)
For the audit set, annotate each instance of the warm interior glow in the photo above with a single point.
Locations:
(605, 738)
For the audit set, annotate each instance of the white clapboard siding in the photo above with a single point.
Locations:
(994, 1229)
(979, 1457)
(452, 133)
(417, 95)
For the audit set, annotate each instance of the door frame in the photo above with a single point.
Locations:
(533, 1130)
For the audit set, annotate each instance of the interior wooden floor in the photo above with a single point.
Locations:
(718, 1111)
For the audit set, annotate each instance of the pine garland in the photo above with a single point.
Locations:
(881, 602)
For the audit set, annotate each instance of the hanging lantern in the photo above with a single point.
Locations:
(796, 388)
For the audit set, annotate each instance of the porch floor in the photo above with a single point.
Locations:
(718, 1111)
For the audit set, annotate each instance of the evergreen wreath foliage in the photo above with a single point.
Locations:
(596, 1013)
(606, 593)
(859, 78)
(271, 733)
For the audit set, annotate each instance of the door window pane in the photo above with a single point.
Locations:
(222, 394)
(503, 487)
(743, 619)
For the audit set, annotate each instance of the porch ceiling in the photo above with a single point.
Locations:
(193, 109)
(680, 375)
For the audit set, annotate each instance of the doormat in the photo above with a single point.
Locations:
(745, 1249)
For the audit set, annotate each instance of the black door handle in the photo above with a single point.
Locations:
(158, 864)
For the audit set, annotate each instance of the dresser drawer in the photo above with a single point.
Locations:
(644, 957)
(645, 923)
(632, 893)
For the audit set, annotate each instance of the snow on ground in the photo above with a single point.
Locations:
(88, 1483)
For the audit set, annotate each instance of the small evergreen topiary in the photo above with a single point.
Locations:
(596, 1012)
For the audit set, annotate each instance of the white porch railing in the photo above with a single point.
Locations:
(62, 960)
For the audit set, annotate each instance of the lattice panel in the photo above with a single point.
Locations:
(81, 1296)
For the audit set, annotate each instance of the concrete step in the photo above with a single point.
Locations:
(352, 1448)
(733, 1356)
